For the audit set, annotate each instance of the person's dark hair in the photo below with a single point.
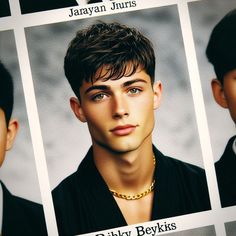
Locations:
(122, 49)
(221, 48)
(6, 92)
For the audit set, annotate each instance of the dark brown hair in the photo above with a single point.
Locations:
(6, 92)
(120, 48)
(221, 48)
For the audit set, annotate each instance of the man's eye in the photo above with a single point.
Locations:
(99, 97)
(134, 91)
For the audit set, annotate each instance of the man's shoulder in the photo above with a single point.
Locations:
(13, 201)
(26, 216)
(226, 159)
(78, 179)
(188, 181)
(184, 176)
(67, 184)
(184, 166)
(179, 166)
(225, 173)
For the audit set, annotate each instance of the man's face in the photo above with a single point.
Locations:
(225, 95)
(230, 92)
(119, 113)
(3, 136)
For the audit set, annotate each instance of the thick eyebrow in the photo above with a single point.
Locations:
(128, 83)
(97, 87)
(106, 87)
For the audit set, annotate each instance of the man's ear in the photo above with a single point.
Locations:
(157, 88)
(77, 109)
(12, 129)
(218, 93)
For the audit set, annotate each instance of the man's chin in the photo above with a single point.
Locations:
(123, 148)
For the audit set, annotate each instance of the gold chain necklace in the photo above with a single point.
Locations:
(139, 195)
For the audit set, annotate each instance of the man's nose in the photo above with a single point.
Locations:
(120, 106)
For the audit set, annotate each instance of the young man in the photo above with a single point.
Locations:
(17, 216)
(221, 52)
(123, 179)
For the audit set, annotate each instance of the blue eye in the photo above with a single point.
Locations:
(134, 91)
(99, 97)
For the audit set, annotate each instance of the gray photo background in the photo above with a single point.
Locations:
(230, 228)
(205, 15)
(203, 231)
(66, 140)
(18, 171)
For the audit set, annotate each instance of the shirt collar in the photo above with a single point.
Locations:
(234, 146)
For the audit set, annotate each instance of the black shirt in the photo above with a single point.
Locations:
(226, 175)
(21, 216)
(83, 202)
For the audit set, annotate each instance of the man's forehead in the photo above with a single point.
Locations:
(231, 73)
(138, 76)
(114, 72)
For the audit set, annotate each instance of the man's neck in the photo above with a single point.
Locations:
(128, 172)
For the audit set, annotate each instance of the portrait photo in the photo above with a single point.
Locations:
(70, 128)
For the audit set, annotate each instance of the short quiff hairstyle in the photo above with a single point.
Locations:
(111, 44)
(221, 48)
(6, 92)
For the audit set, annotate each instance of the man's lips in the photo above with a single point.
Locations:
(123, 129)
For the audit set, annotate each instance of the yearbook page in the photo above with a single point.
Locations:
(117, 117)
